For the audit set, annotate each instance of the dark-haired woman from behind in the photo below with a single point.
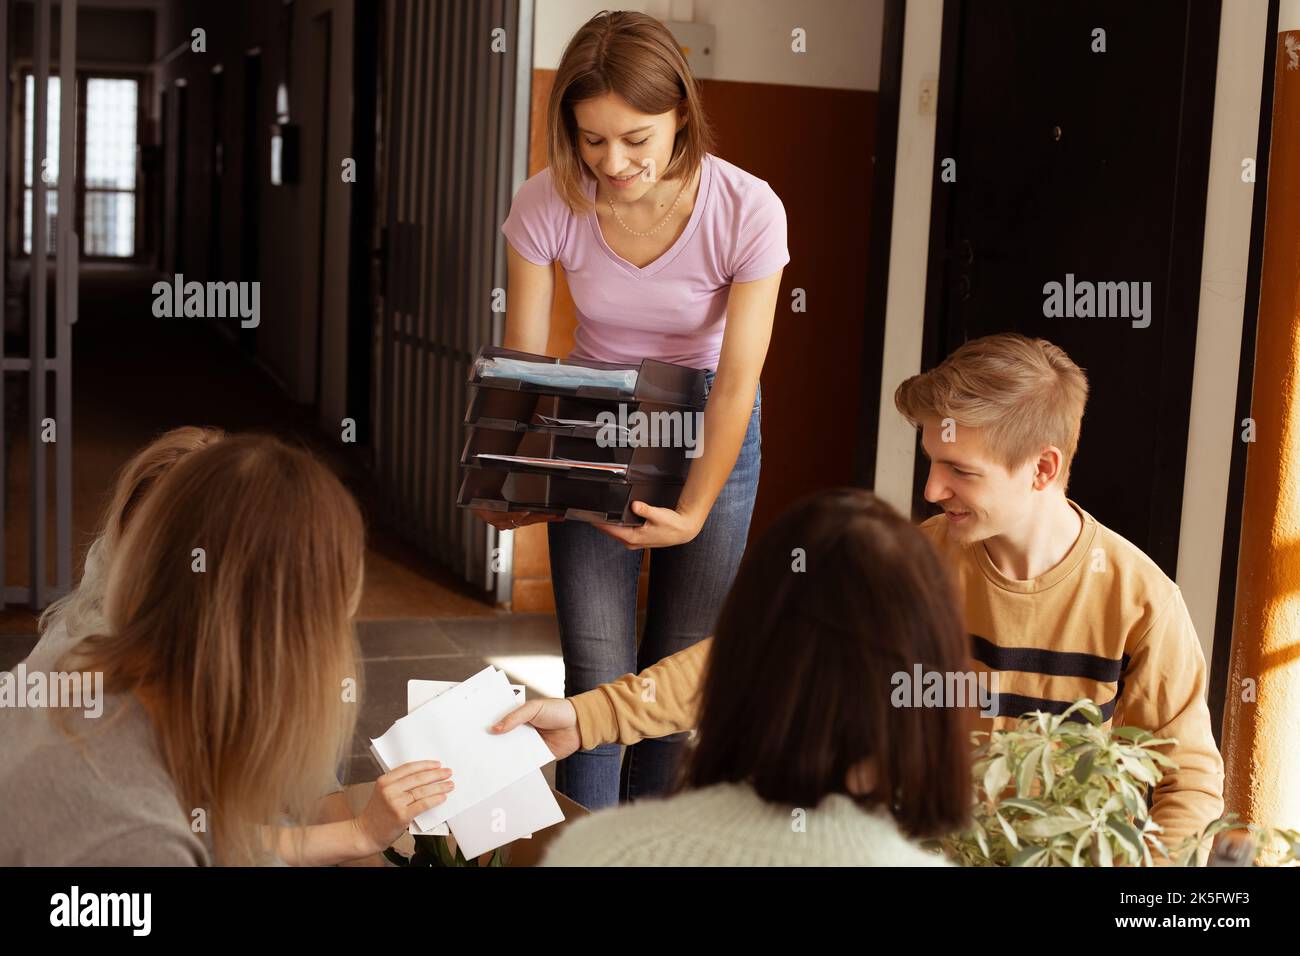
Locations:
(801, 759)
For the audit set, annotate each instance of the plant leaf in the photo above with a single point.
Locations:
(1052, 826)
(1079, 844)
(1029, 856)
(1049, 777)
(1129, 733)
(1029, 806)
(1026, 775)
(1086, 707)
(1083, 767)
(444, 852)
(982, 838)
(1008, 831)
(1138, 768)
(996, 778)
(1103, 849)
(1128, 836)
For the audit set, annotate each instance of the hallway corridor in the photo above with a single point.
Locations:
(135, 376)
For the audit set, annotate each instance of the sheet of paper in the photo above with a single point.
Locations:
(515, 813)
(441, 829)
(623, 431)
(556, 374)
(453, 728)
(420, 692)
(518, 811)
(563, 464)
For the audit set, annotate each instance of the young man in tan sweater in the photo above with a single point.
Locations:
(1059, 606)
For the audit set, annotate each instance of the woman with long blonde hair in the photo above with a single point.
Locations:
(230, 674)
(81, 611)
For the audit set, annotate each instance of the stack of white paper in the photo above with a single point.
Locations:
(419, 693)
(557, 375)
(500, 792)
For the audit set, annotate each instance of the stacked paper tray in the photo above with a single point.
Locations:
(546, 448)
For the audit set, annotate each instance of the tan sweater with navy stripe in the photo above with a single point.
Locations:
(1105, 623)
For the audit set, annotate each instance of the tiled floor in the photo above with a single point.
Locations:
(526, 647)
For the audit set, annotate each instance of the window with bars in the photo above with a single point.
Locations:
(106, 189)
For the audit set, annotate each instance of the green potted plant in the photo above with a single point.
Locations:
(435, 851)
(1057, 792)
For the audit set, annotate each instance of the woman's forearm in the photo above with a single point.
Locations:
(321, 844)
(332, 808)
(726, 419)
(751, 307)
(663, 699)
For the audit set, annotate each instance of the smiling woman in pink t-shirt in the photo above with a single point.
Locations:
(671, 253)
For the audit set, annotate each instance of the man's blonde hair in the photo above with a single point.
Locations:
(1023, 393)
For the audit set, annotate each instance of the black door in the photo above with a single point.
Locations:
(1074, 165)
(181, 101)
(216, 175)
(252, 169)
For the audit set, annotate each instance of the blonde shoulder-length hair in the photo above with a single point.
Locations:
(634, 55)
(241, 651)
(1024, 393)
(81, 610)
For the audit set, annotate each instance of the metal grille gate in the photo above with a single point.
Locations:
(39, 362)
(455, 145)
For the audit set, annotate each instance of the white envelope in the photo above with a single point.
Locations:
(453, 728)
(517, 811)
(419, 693)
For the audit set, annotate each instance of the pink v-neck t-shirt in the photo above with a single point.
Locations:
(675, 308)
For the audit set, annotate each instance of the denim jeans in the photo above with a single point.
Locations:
(595, 582)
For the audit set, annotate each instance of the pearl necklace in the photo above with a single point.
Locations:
(661, 221)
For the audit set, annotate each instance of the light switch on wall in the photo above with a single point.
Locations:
(696, 41)
(928, 95)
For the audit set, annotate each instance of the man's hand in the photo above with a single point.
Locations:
(555, 720)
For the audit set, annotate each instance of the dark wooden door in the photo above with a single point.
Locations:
(1073, 162)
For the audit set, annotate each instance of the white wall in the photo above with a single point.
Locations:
(1213, 430)
(1288, 16)
(753, 37)
(908, 247)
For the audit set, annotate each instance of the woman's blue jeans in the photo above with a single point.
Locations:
(595, 582)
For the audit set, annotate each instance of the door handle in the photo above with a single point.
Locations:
(963, 252)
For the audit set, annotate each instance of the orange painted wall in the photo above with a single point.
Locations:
(1260, 752)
